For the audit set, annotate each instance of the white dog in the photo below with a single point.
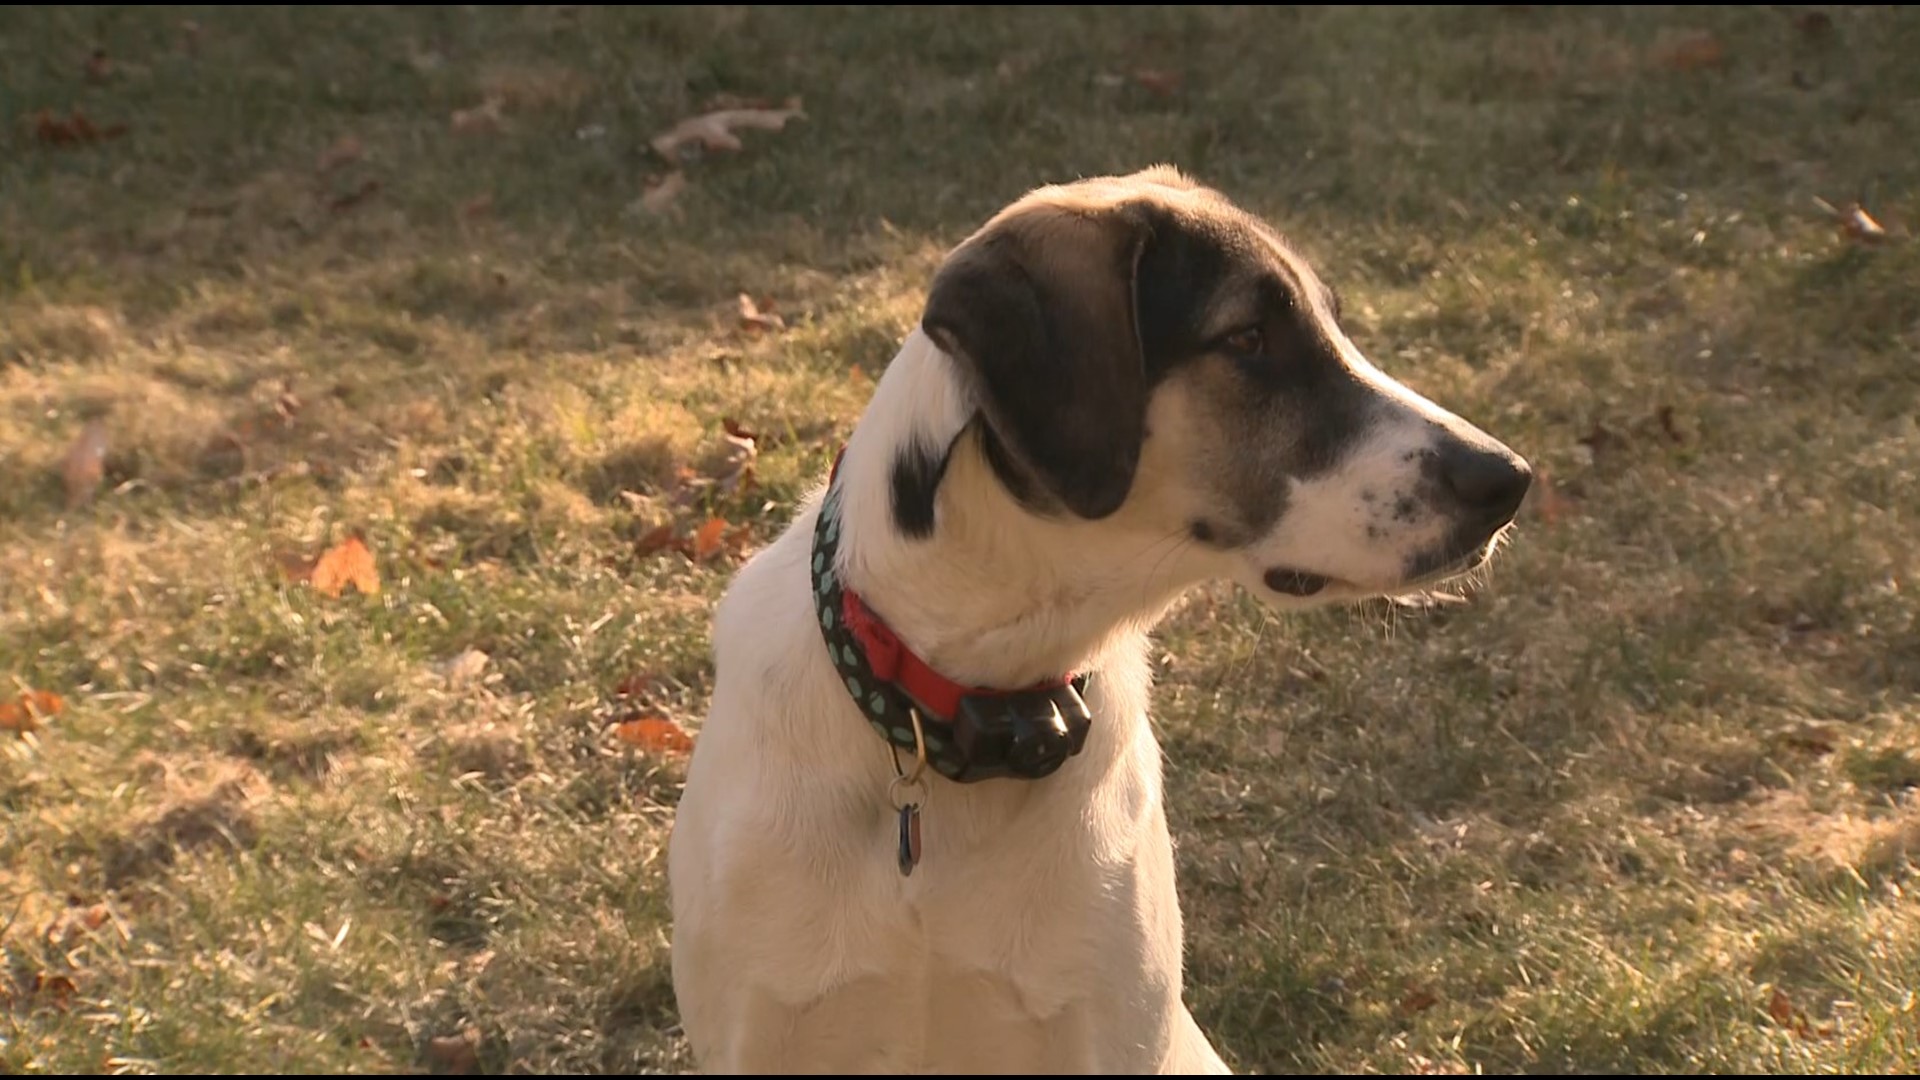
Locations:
(923, 830)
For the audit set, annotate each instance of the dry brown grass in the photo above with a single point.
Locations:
(1661, 766)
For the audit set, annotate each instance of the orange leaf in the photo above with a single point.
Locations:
(658, 539)
(85, 463)
(33, 706)
(349, 562)
(656, 197)
(1780, 1006)
(483, 119)
(1694, 52)
(715, 130)
(1857, 224)
(98, 67)
(706, 540)
(345, 150)
(74, 129)
(1157, 82)
(655, 733)
(635, 685)
(367, 189)
(1418, 1000)
(455, 1054)
(754, 317)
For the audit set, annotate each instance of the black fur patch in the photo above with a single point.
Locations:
(917, 469)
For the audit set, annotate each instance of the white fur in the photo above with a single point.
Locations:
(1041, 931)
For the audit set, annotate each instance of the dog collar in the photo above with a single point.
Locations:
(970, 733)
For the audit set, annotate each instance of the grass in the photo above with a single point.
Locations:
(1646, 803)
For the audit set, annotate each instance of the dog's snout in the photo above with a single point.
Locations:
(1487, 482)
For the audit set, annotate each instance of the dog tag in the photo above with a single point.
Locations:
(909, 838)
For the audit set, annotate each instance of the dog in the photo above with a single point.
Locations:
(924, 830)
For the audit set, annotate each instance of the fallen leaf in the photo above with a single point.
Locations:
(98, 67)
(85, 463)
(1599, 441)
(58, 990)
(1857, 224)
(633, 686)
(95, 917)
(351, 199)
(1552, 504)
(707, 539)
(345, 150)
(1418, 1000)
(482, 119)
(1695, 51)
(715, 130)
(654, 732)
(456, 1054)
(1814, 24)
(462, 668)
(74, 129)
(734, 428)
(738, 539)
(350, 562)
(1668, 426)
(1813, 736)
(25, 713)
(753, 317)
(656, 197)
(1780, 1006)
(659, 539)
(1158, 82)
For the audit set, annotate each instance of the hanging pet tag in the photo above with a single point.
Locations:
(909, 838)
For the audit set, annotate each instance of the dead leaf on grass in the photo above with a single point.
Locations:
(1854, 222)
(654, 732)
(1553, 506)
(707, 538)
(24, 713)
(345, 150)
(85, 463)
(482, 119)
(759, 315)
(715, 130)
(658, 196)
(349, 562)
(1418, 1000)
(463, 667)
(458, 1054)
(658, 539)
(1159, 82)
(73, 129)
(347, 201)
(1697, 50)
(98, 67)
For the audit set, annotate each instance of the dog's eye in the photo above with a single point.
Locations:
(1246, 342)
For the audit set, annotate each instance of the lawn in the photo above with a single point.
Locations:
(1646, 800)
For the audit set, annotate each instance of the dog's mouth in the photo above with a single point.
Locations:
(1427, 569)
(1290, 582)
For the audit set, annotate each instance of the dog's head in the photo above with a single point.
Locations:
(1139, 346)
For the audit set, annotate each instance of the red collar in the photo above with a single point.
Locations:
(891, 660)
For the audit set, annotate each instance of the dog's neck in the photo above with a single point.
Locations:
(994, 595)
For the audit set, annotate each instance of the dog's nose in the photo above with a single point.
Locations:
(1489, 482)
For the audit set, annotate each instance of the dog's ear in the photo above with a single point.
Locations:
(1040, 308)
